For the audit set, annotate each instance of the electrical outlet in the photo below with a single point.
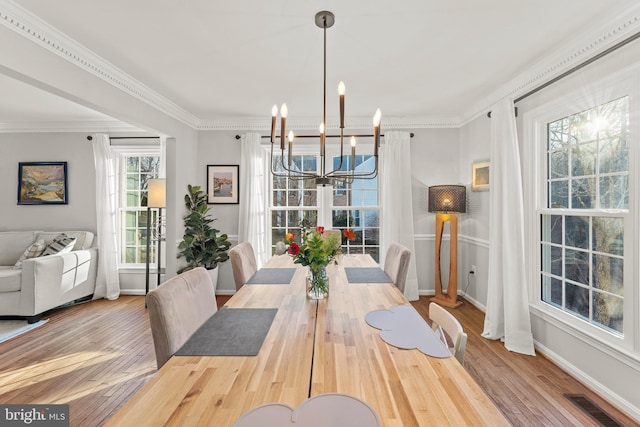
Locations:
(473, 269)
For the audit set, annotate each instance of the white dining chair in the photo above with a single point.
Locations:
(444, 322)
(243, 263)
(177, 309)
(396, 264)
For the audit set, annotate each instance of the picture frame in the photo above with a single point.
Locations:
(42, 183)
(223, 184)
(480, 176)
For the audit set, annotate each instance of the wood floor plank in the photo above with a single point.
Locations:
(95, 356)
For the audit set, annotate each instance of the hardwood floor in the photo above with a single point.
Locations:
(95, 355)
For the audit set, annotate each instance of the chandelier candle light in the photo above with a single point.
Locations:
(323, 20)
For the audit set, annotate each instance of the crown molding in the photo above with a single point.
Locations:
(570, 55)
(40, 32)
(307, 124)
(68, 126)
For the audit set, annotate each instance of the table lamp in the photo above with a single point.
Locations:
(446, 201)
(156, 198)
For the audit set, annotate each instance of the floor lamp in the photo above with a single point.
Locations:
(446, 201)
(156, 198)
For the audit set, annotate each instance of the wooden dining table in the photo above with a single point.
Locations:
(311, 348)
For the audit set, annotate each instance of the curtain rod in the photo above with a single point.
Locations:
(89, 137)
(327, 136)
(577, 68)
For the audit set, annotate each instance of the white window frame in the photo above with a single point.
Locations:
(535, 153)
(121, 153)
(324, 199)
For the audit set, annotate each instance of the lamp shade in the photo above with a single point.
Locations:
(156, 193)
(448, 199)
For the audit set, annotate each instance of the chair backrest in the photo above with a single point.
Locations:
(243, 263)
(177, 308)
(442, 320)
(396, 264)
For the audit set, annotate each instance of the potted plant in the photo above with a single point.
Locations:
(201, 245)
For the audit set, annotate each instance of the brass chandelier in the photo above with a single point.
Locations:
(324, 20)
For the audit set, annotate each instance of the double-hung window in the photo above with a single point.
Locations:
(585, 217)
(135, 168)
(298, 204)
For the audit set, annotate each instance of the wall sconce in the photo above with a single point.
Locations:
(446, 201)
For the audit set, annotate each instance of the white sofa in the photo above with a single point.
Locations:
(48, 281)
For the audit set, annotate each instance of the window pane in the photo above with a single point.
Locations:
(577, 300)
(552, 290)
(371, 236)
(130, 220)
(130, 255)
(132, 164)
(558, 164)
(278, 219)
(369, 198)
(133, 199)
(558, 134)
(133, 182)
(558, 194)
(310, 219)
(371, 218)
(577, 231)
(583, 193)
(131, 237)
(294, 219)
(614, 192)
(607, 274)
(583, 159)
(614, 156)
(608, 235)
(310, 198)
(576, 266)
(607, 311)
(552, 259)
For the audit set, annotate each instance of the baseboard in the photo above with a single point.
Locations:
(612, 397)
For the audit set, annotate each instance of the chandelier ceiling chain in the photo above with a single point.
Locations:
(324, 20)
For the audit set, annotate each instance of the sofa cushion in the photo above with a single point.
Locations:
(84, 238)
(10, 279)
(60, 244)
(13, 244)
(35, 250)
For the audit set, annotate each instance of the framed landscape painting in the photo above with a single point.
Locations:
(222, 184)
(480, 176)
(42, 183)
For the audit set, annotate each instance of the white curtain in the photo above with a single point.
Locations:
(108, 281)
(396, 207)
(254, 190)
(507, 316)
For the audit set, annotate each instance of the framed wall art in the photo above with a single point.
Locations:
(42, 183)
(480, 176)
(223, 185)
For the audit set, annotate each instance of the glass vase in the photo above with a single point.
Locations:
(317, 284)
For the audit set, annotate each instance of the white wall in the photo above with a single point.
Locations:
(73, 148)
(612, 374)
(220, 148)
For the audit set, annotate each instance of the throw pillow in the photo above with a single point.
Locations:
(33, 251)
(60, 244)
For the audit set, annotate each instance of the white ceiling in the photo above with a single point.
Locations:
(222, 59)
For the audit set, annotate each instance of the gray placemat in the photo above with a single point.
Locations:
(403, 327)
(366, 275)
(272, 276)
(231, 332)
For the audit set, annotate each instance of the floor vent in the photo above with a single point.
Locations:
(596, 412)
